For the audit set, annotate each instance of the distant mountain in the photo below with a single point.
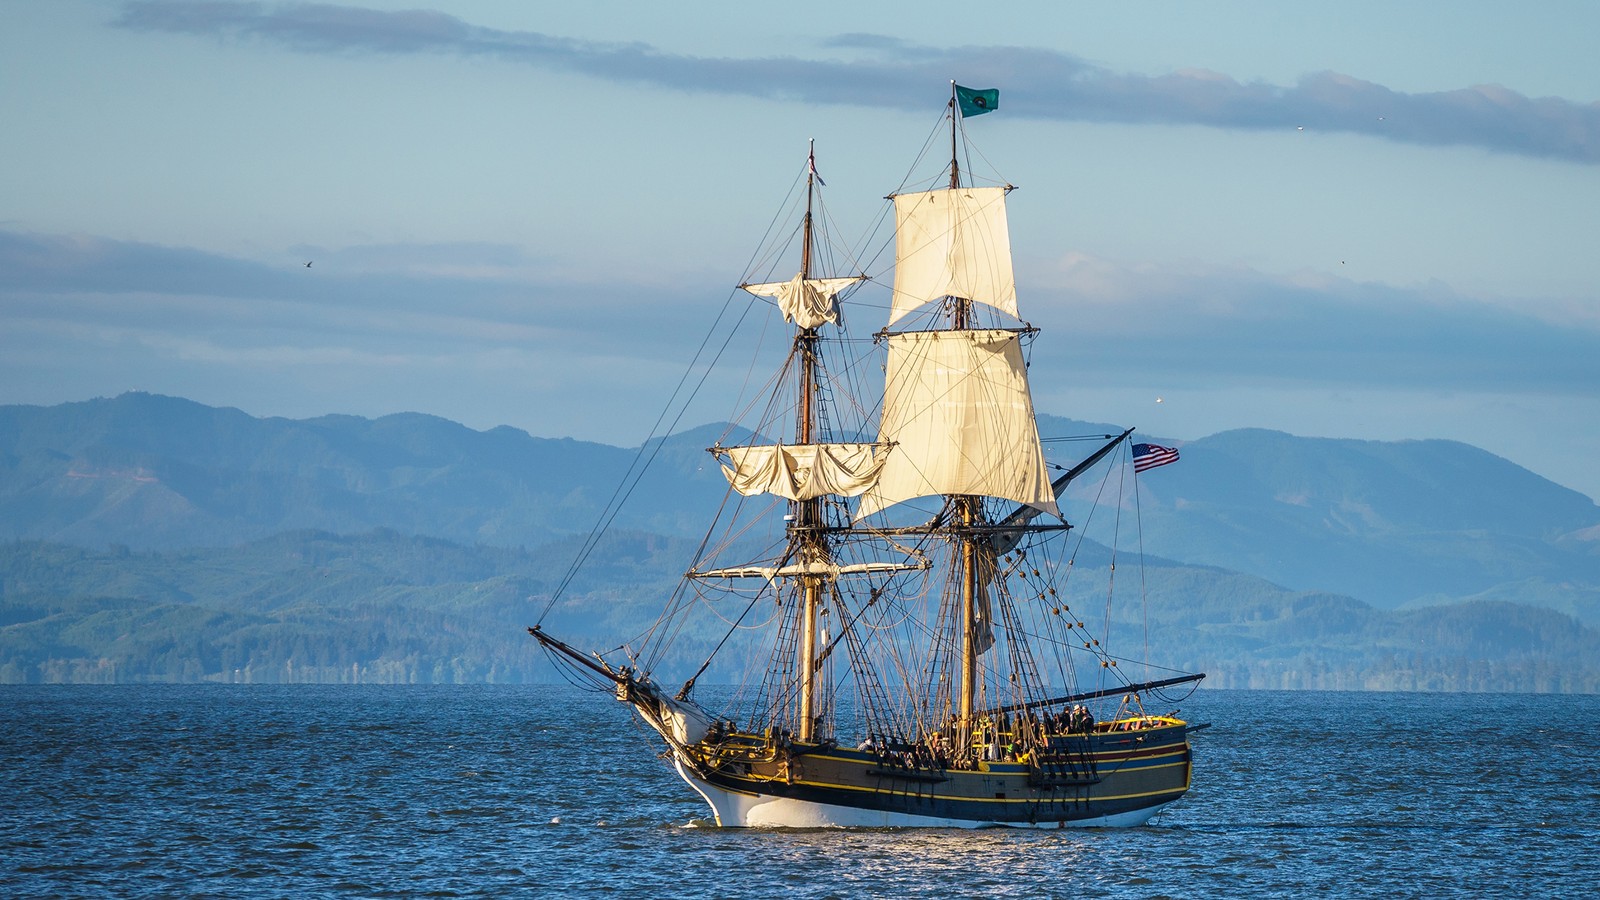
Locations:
(387, 607)
(1389, 522)
(155, 473)
(1440, 531)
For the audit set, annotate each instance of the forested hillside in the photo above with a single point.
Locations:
(384, 607)
(152, 537)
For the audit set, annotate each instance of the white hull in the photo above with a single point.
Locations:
(740, 810)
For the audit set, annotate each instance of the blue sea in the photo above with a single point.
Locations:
(522, 791)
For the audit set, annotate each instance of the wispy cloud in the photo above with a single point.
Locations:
(1218, 325)
(473, 294)
(885, 72)
(1129, 324)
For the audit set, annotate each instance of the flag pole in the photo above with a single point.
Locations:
(955, 111)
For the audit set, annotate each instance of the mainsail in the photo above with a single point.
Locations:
(958, 410)
(956, 403)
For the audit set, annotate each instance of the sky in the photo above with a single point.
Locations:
(1355, 220)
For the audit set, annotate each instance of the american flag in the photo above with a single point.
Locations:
(1148, 456)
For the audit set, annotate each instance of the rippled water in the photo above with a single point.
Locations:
(302, 791)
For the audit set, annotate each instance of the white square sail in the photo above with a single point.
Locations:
(958, 410)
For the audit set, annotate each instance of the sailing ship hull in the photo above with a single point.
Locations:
(1110, 779)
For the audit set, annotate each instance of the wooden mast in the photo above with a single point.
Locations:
(967, 511)
(805, 529)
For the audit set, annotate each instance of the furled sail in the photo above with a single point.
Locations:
(822, 569)
(807, 302)
(958, 409)
(802, 471)
(952, 243)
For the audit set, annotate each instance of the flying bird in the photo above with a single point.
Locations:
(308, 265)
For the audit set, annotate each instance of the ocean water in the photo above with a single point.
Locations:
(521, 791)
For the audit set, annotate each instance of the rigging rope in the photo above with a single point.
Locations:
(648, 453)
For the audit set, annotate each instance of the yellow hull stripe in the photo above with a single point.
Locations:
(966, 799)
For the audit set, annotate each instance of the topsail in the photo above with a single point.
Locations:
(952, 243)
(807, 302)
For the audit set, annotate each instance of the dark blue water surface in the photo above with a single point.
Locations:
(358, 791)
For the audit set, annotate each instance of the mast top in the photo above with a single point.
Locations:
(955, 113)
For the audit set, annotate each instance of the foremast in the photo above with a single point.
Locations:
(805, 471)
(806, 536)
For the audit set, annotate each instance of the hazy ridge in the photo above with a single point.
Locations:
(152, 538)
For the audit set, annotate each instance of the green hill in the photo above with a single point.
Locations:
(385, 607)
(155, 538)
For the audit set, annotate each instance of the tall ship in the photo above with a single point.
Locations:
(883, 606)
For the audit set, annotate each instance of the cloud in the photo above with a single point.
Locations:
(77, 287)
(1220, 325)
(1131, 325)
(478, 335)
(1037, 83)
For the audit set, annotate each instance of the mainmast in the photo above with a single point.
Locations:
(955, 110)
(968, 510)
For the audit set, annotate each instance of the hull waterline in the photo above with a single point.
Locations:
(1108, 779)
(733, 809)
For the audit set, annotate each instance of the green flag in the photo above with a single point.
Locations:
(975, 102)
